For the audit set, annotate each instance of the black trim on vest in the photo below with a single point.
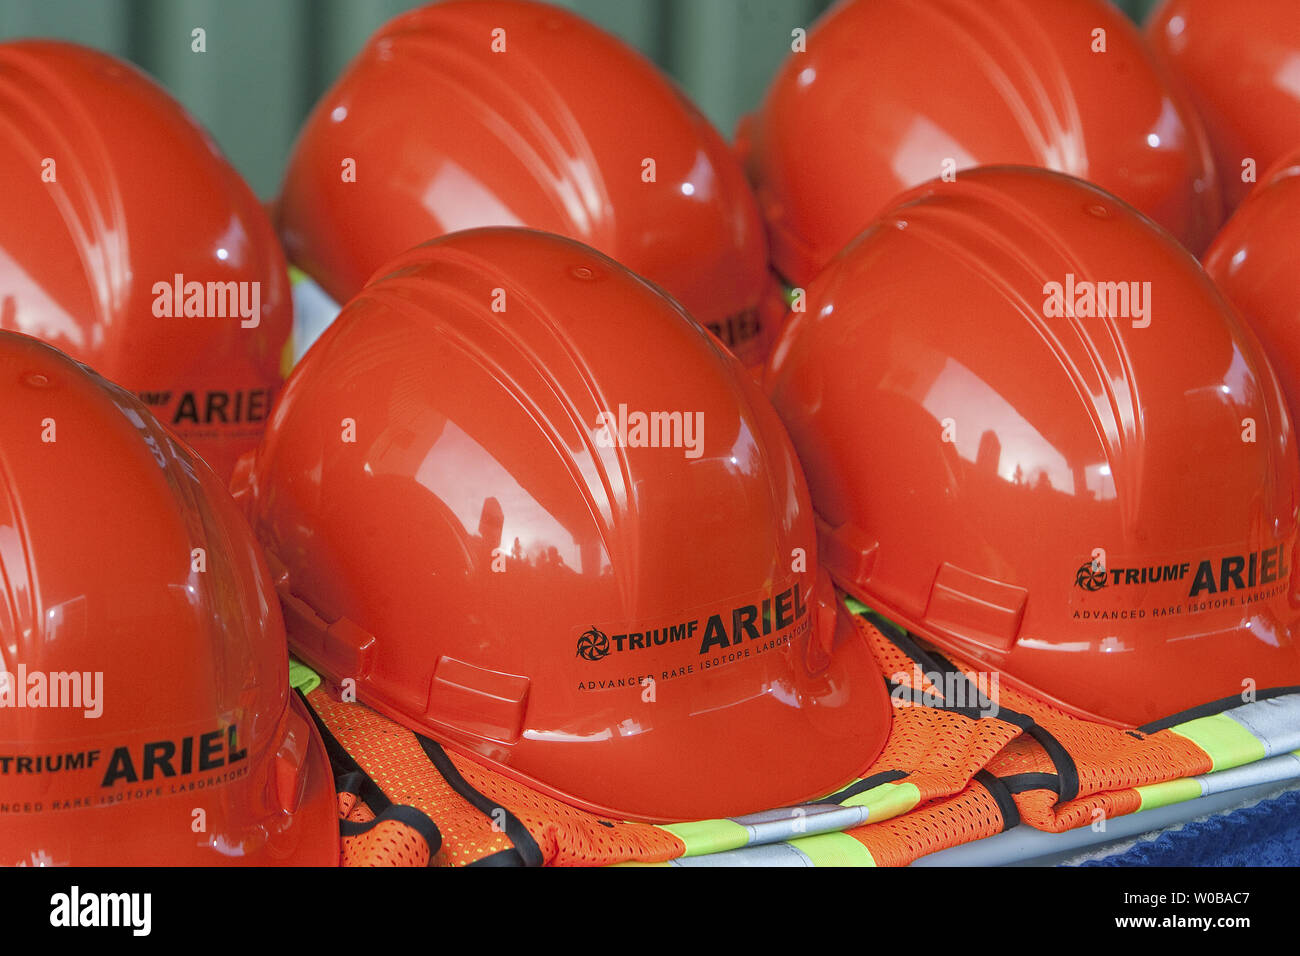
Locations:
(927, 659)
(500, 858)
(363, 788)
(915, 695)
(530, 853)
(875, 780)
(1022, 782)
(1013, 717)
(884, 625)
(404, 814)
(934, 661)
(1066, 768)
(349, 777)
(972, 691)
(1001, 796)
(906, 643)
(1214, 707)
(1005, 714)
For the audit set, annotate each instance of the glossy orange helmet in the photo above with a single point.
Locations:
(145, 713)
(537, 514)
(1237, 62)
(1254, 262)
(1035, 434)
(465, 114)
(128, 242)
(891, 93)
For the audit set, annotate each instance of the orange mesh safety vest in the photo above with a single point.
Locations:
(966, 758)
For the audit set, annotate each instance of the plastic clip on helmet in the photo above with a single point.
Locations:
(467, 114)
(1101, 507)
(1237, 62)
(892, 93)
(145, 715)
(1253, 261)
(487, 503)
(127, 241)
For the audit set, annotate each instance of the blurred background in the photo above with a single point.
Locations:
(267, 61)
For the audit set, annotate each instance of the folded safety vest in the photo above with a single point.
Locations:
(965, 759)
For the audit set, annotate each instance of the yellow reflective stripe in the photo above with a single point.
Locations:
(1227, 742)
(708, 836)
(887, 800)
(834, 849)
(640, 863)
(854, 605)
(1156, 795)
(302, 677)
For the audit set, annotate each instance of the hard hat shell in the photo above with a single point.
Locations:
(1237, 64)
(120, 222)
(1103, 509)
(465, 114)
(145, 717)
(467, 517)
(891, 93)
(1253, 261)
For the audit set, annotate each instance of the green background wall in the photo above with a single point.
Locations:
(268, 60)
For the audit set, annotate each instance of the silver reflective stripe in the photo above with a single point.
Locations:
(1271, 770)
(776, 854)
(1275, 722)
(771, 826)
(313, 311)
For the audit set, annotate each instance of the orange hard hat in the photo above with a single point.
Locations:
(891, 93)
(1098, 501)
(1237, 62)
(1254, 262)
(128, 242)
(466, 114)
(145, 713)
(537, 514)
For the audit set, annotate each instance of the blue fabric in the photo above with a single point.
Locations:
(1267, 834)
